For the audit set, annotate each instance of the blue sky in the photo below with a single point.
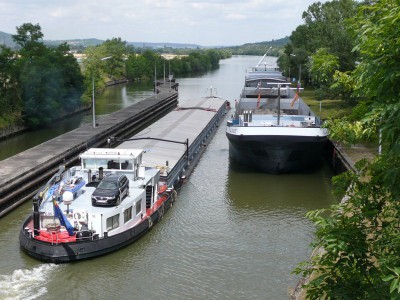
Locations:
(202, 22)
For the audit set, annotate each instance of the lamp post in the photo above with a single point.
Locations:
(155, 78)
(300, 73)
(170, 76)
(299, 80)
(93, 102)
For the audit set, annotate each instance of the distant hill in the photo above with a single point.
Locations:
(163, 45)
(6, 40)
(274, 43)
(74, 42)
(260, 48)
(80, 44)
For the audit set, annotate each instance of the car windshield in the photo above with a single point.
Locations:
(107, 185)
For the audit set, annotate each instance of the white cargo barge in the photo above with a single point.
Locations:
(194, 124)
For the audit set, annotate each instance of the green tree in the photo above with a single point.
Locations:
(360, 257)
(71, 86)
(343, 86)
(117, 52)
(142, 65)
(10, 91)
(322, 67)
(27, 35)
(94, 71)
(50, 79)
(214, 56)
(138, 67)
(326, 25)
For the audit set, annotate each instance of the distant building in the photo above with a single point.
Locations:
(169, 56)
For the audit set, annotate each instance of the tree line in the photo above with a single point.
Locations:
(115, 60)
(40, 84)
(350, 49)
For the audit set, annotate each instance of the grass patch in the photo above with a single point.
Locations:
(329, 108)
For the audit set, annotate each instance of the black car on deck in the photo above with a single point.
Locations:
(111, 190)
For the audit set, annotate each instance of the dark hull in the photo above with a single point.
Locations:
(276, 154)
(85, 249)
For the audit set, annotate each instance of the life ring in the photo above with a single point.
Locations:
(77, 216)
(80, 216)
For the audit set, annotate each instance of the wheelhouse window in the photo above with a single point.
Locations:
(113, 222)
(127, 214)
(138, 207)
(92, 163)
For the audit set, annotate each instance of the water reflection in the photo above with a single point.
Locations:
(120, 96)
(251, 189)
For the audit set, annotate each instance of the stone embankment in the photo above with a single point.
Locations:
(11, 130)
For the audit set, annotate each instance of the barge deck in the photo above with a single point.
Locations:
(194, 124)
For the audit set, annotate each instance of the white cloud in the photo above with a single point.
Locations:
(235, 17)
(206, 22)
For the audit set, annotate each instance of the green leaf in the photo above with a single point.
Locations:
(394, 285)
(388, 278)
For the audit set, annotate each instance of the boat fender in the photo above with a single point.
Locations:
(161, 212)
(60, 188)
(77, 224)
(150, 222)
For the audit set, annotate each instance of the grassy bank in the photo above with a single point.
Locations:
(329, 108)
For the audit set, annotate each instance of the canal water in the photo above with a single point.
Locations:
(234, 233)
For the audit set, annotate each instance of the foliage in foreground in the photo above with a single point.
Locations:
(360, 239)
